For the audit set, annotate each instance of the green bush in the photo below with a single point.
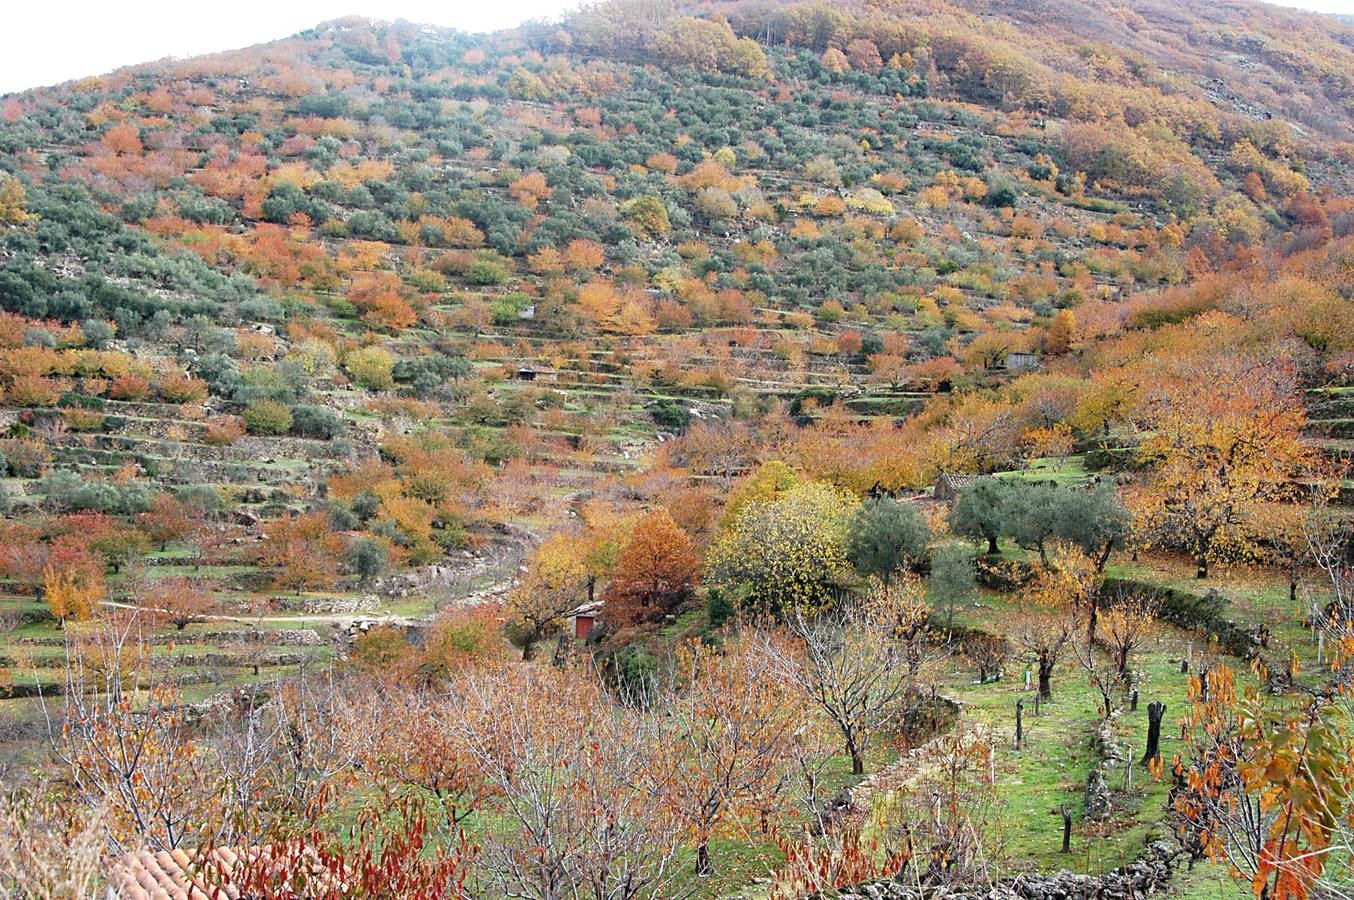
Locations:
(318, 422)
(268, 417)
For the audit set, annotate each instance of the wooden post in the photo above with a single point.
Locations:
(1067, 830)
(1128, 769)
(1133, 701)
(1020, 722)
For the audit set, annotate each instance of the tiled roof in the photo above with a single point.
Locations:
(172, 875)
(178, 874)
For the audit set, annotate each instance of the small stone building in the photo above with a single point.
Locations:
(537, 373)
(949, 486)
(583, 619)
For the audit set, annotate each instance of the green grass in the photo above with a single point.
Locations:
(1062, 469)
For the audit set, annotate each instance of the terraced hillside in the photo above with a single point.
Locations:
(673, 344)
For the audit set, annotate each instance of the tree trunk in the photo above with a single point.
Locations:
(857, 760)
(703, 859)
(1104, 556)
(1156, 710)
(992, 548)
(1046, 680)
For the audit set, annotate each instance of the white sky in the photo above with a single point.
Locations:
(50, 41)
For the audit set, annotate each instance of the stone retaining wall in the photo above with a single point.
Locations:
(1149, 873)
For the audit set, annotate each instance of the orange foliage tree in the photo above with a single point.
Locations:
(654, 572)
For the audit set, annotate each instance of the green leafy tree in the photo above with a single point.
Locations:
(884, 535)
(954, 578)
(980, 512)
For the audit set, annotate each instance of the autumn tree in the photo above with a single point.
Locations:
(552, 586)
(179, 600)
(1069, 581)
(1221, 443)
(73, 592)
(13, 202)
(168, 519)
(301, 552)
(1061, 332)
(655, 570)
(787, 553)
(1123, 627)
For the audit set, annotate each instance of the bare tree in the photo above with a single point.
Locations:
(1044, 637)
(122, 740)
(1124, 626)
(567, 769)
(855, 666)
(1102, 673)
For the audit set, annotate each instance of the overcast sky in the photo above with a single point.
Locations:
(50, 41)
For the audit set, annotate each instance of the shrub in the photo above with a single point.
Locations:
(222, 431)
(83, 420)
(317, 422)
(670, 415)
(26, 457)
(182, 389)
(268, 417)
(129, 387)
(371, 367)
(98, 333)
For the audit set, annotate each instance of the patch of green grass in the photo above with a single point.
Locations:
(1062, 469)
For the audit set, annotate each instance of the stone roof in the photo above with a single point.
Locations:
(955, 482)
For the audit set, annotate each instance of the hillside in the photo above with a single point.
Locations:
(376, 348)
